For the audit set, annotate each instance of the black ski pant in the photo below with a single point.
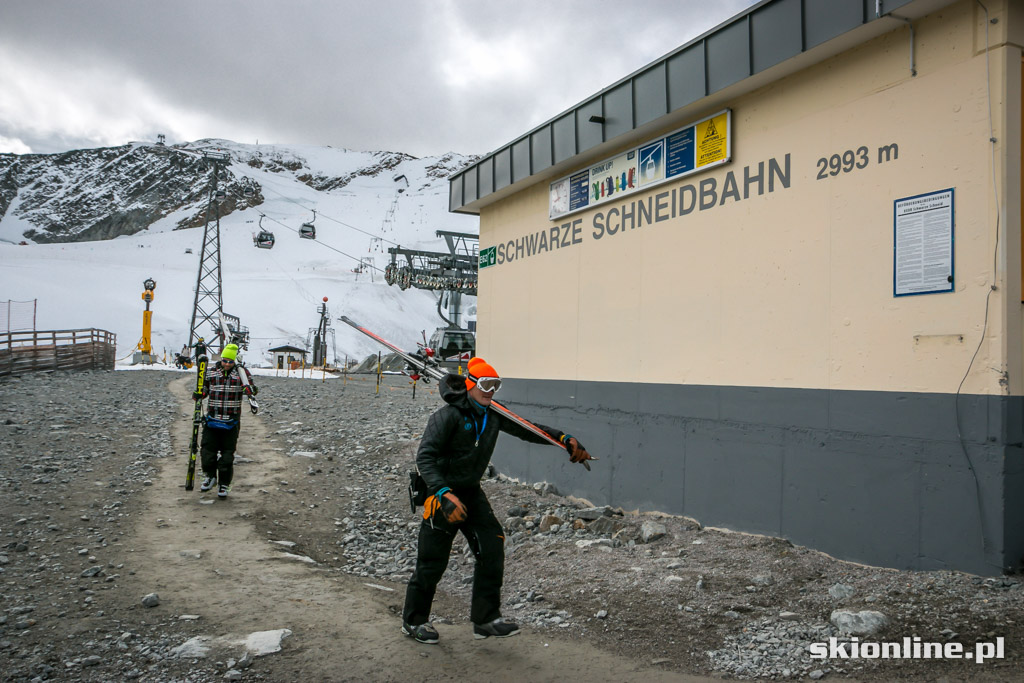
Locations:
(224, 442)
(486, 540)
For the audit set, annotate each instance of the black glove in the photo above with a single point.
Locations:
(253, 390)
(197, 396)
(577, 453)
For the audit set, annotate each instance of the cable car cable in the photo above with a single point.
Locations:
(320, 213)
(356, 259)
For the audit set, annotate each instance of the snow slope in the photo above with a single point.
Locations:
(275, 292)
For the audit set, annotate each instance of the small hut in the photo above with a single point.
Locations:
(285, 357)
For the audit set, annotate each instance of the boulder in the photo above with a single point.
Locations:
(652, 531)
(865, 623)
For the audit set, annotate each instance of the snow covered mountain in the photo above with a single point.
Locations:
(96, 223)
(97, 194)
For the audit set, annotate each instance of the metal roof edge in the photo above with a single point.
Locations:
(866, 30)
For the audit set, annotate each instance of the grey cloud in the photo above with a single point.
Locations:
(356, 74)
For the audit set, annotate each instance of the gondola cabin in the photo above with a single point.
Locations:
(307, 231)
(264, 239)
(453, 346)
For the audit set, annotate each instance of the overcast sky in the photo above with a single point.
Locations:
(418, 76)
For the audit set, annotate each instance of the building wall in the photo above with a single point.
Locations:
(747, 362)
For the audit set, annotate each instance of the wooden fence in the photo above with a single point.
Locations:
(29, 351)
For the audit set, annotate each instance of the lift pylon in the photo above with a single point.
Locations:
(209, 298)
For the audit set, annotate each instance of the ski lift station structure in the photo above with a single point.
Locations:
(453, 273)
(776, 274)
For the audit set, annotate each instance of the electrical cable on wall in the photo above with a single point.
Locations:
(988, 296)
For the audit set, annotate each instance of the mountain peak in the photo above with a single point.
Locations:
(108, 192)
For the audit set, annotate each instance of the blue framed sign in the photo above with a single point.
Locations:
(922, 261)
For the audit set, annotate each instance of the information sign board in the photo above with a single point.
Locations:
(697, 147)
(923, 244)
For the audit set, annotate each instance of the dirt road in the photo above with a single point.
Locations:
(205, 557)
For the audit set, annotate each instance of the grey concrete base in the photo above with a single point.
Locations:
(874, 477)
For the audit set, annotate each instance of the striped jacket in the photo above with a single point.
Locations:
(225, 392)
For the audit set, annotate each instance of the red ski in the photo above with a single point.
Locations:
(425, 364)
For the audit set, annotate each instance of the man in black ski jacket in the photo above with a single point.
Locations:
(452, 458)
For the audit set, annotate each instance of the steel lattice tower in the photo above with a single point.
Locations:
(209, 299)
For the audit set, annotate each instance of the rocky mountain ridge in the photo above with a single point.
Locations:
(99, 194)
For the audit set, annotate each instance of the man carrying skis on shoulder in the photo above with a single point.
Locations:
(225, 388)
(452, 458)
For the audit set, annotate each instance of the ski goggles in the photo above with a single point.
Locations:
(489, 385)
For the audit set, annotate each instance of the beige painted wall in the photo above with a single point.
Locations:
(795, 288)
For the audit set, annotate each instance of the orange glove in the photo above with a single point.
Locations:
(453, 509)
(448, 504)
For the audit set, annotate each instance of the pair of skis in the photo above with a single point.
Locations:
(254, 406)
(425, 365)
(197, 421)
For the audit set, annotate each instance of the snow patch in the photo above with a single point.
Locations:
(300, 558)
(266, 642)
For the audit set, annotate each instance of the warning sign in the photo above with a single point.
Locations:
(712, 140)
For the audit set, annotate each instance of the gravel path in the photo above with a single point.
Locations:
(82, 456)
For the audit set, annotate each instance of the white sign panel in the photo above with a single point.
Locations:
(923, 244)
